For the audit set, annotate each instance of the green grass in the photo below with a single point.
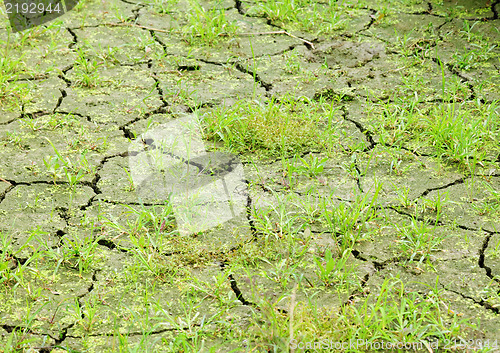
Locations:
(275, 128)
(207, 27)
(307, 15)
(336, 243)
(460, 133)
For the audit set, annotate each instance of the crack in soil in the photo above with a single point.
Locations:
(75, 38)
(368, 135)
(9, 188)
(248, 208)
(257, 79)
(157, 40)
(60, 99)
(494, 9)
(481, 260)
(481, 302)
(427, 191)
(234, 287)
(357, 292)
(97, 177)
(111, 245)
(239, 8)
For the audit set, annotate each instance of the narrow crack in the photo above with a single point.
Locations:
(445, 186)
(357, 255)
(368, 135)
(234, 287)
(248, 207)
(63, 77)
(369, 24)
(358, 177)
(481, 302)
(256, 77)
(159, 90)
(412, 216)
(6, 191)
(59, 101)
(11, 328)
(481, 262)
(132, 3)
(11, 120)
(64, 332)
(97, 177)
(157, 40)
(128, 133)
(75, 38)
(357, 292)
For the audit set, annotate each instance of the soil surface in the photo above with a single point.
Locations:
(92, 259)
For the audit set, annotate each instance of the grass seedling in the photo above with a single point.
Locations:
(131, 186)
(289, 170)
(403, 196)
(54, 167)
(347, 220)
(86, 70)
(207, 26)
(281, 271)
(419, 241)
(490, 204)
(313, 166)
(335, 271)
(79, 252)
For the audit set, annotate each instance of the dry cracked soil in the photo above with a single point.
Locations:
(368, 138)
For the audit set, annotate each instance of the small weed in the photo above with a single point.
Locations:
(289, 172)
(207, 26)
(419, 241)
(472, 57)
(131, 186)
(163, 6)
(494, 249)
(85, 70)
(217, 288)
(313, 166)
(11, 268)
(347, 220)
(334, 271)
(281, 271)
(309, 207)
(292, 63)
(11, 90)
(58, 166)
(77, 252)
(436, 204)
(403, 196)
(491, 204)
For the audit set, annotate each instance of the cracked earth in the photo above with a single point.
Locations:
(86, 266)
